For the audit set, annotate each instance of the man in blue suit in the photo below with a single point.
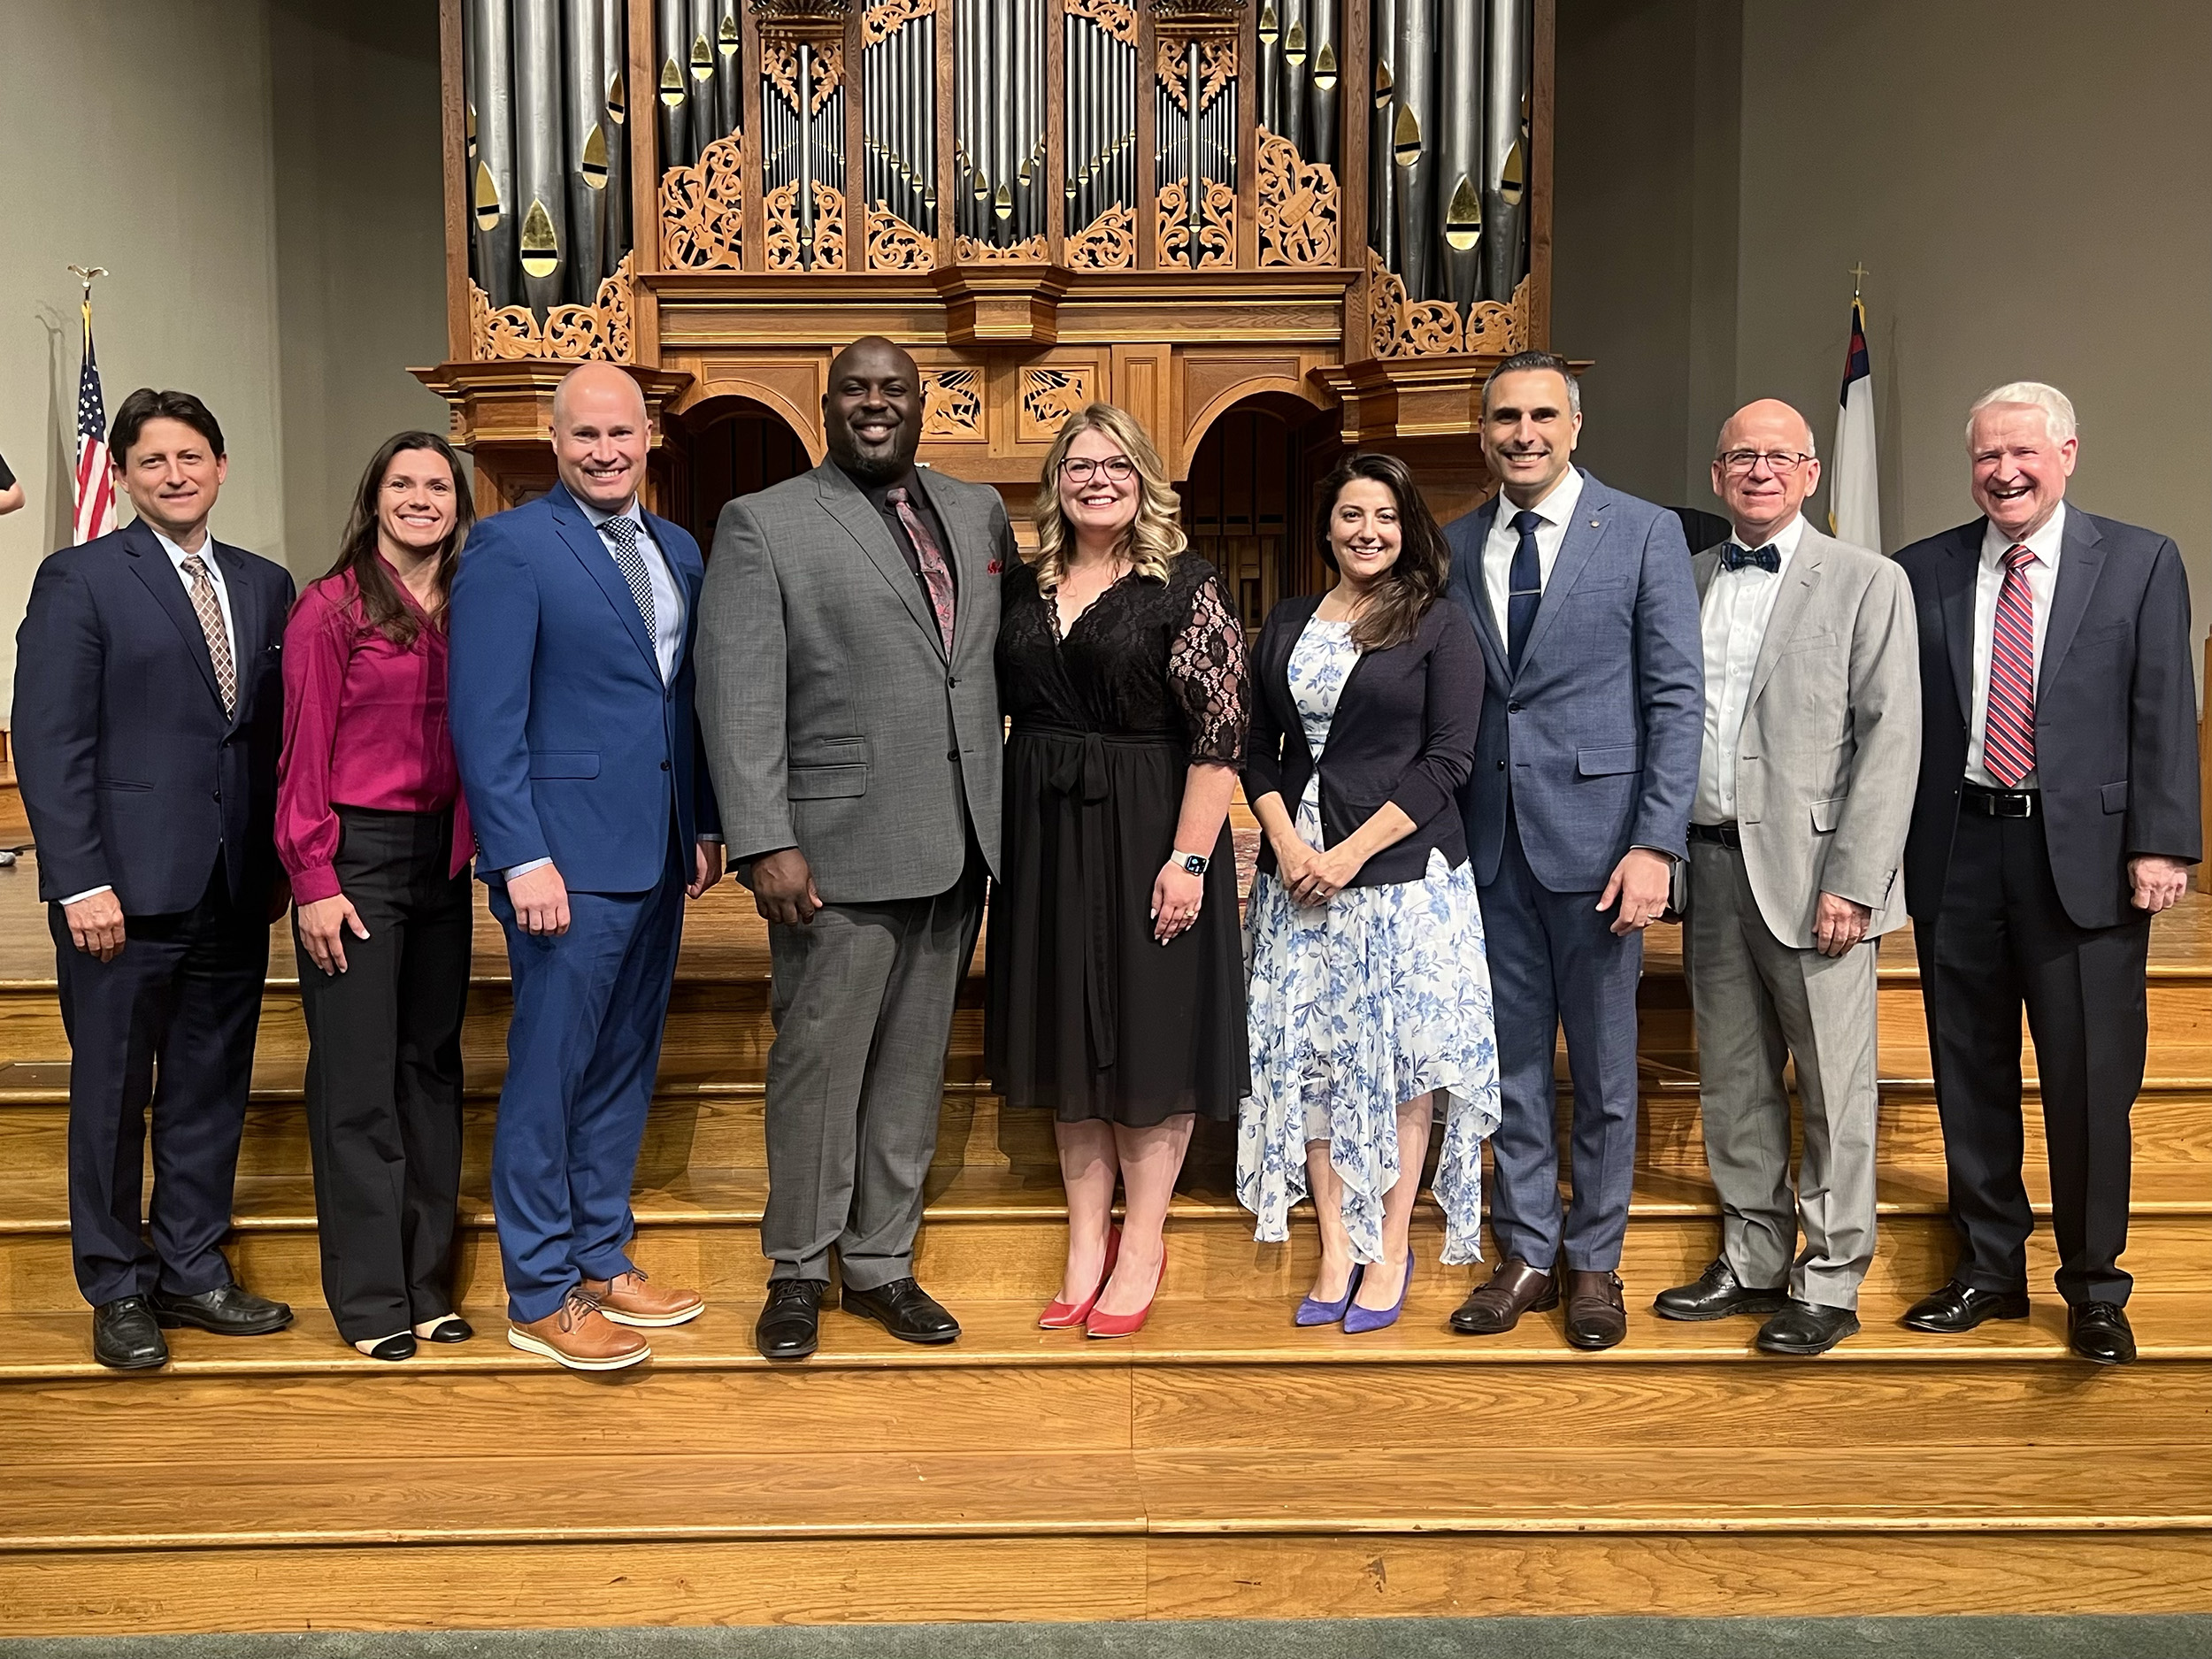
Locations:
(1585, 764)
(573, 620)
(149, 711)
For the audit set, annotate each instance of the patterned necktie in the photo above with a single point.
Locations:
(1523, 587)
(2009, 722)
(936, 574)
(623, 533)
(1734, 558)
(209, 611)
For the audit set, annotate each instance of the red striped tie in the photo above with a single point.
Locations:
(2009, 725)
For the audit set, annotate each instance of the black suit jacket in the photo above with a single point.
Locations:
(2116, 711)
(1404, 732)
(132, 775)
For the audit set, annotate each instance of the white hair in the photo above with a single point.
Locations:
(2058, 410)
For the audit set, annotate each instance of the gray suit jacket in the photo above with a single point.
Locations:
(834, 721)
(1830, 750)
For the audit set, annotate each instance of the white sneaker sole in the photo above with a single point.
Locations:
(530, 1344)
(652, 1322)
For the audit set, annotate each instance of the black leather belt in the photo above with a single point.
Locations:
(2000, 802)
(1720, 835)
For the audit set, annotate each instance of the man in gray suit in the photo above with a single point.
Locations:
(1586, 760)
(851, 718)
(1804, 791)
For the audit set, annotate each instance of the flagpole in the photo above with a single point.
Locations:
(1854, 510)
(95, 506)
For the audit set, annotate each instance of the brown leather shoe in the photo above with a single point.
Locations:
(1596, 1315)
(1514, 1289)
(578, 1336)
(628, 1299)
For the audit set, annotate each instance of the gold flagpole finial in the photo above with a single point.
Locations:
(1859, 273)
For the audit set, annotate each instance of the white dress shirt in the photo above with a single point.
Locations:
(177, 557)
(1989, 579)
(1557, 511)
(1733, 619)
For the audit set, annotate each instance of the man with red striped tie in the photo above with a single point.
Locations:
(2057, 812)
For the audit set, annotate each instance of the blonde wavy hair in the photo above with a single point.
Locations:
(1155, 537)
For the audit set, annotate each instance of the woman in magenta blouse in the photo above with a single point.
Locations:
(373, 831)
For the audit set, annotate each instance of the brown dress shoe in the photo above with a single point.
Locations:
(628, 1299)
(1596, 1315)
(1514, 1289)
(578, 1336)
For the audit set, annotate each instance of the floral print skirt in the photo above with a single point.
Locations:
(1379, 996)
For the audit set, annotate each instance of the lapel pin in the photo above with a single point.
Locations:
(1593, 523)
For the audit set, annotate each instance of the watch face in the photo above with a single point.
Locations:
(1194, 865)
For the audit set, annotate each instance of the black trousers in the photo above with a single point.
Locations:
(384, 1075)
(2003, 940)
(170, 1024)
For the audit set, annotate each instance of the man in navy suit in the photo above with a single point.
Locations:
(1585, 764)
(149, 712)
(573, 620)
(2057, 813)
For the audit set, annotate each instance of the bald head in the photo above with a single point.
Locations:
(872, 411)
(1764, 469)
(600, 432)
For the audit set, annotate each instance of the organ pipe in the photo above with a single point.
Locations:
(614, 60)
(1270, 39)
(729, 90)
(585, 145)
(489, 62)
(1382, 171)
(1504, 152)
(701, 28)
(673, 52)
(540, 188)
(1291, 97)
(1459, 153)
(1412, 139)
(1322, 77)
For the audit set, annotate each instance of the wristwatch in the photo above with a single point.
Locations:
(1194, 863)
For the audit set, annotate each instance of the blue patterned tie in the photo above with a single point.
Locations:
(1735, 557)
(623, 533)
(1524, 587)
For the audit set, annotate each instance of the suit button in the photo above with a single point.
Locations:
(1500, 765)
(1512, 707)
(952, 754)
(664, 766)
(952, 685)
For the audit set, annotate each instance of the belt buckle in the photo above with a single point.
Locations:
(2016, 804)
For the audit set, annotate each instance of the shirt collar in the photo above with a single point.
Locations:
(634, 512)
(1783, 541)
(2044, 543)
(177, 555)
(1557, 508)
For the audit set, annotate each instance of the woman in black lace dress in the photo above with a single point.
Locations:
(1116, 964)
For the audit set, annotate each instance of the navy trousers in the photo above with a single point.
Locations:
(1554, 960)
(582, 1048)
(169, 1023)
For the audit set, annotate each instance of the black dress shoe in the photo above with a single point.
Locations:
(906, 1311)
(397, 1346)
(228, 1311)
(2099, 1331)
(1717, 1293)
(1806, 1328)
(452, 1328)
(790, 1326)
(1957, 1308)
(124, 1336)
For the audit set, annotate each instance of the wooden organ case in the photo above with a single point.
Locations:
(1269, 228)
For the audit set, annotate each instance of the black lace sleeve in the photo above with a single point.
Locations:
(1206, 671)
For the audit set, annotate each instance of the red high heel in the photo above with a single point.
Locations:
(1063, 1316)
(1106, 1324)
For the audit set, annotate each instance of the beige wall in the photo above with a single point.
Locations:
(2029, 183)
(261, 178)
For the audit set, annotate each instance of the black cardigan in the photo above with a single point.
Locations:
(1403, 732)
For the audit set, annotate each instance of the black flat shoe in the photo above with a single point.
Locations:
(790, 1326)
(906, 1311)
(124, 1336)
(227, 1310)
(2099, 1331)
(1717, 1293)
(1805, 1328)
(1957, 1308)
(452, 1328)
(396, 1347)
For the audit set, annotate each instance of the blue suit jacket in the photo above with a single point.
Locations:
(131, 774)
(1595, 740)
(570, 747)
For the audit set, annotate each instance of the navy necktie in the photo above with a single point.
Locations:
(1734, 558)
(1524, 585)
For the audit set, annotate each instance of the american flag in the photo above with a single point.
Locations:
(96, 488)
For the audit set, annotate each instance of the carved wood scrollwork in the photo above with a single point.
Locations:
(952, 404)
(1116, 18)
(1110, 243)
(702, 210)
(968, 251)
(1216, 225)
(1500, 329)
(895, 245)
(879, 22)
(1399, 327)
(1300, 206)
(780, 62)
(1049, 396)
(1217, 68)
(599, 332)
(781, 211)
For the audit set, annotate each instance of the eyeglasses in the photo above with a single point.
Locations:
(1080, 469)
(1742, 463)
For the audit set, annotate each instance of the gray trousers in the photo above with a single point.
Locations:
(1759, 1000)
(863, 999)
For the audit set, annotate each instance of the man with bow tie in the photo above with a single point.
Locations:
(1804, 788)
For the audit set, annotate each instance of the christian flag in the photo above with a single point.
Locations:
(1855, 496)
(96, 488)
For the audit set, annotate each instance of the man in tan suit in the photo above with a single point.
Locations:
(1805, 788)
